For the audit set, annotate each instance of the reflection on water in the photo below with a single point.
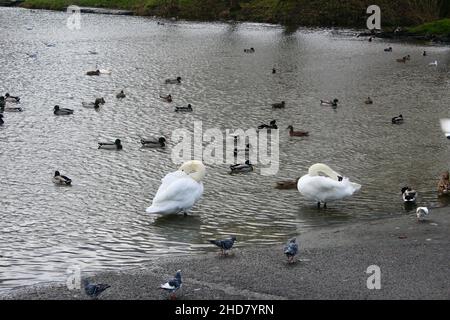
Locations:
(101, 219)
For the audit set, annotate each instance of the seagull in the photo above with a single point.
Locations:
(173, 285)
(94, 289)
(291, 249)
(435, 63)
(445, 126)
(421, 213)
(224, 245)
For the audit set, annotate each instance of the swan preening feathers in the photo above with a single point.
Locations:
(179, 190)
(327, 187)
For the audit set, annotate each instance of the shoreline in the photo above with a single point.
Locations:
(413, 258)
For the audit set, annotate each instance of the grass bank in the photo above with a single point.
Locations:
(440, 28)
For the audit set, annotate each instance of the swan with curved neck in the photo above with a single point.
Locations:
(329, 186)
(179, 190)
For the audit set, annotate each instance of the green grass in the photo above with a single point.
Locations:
(440, 27)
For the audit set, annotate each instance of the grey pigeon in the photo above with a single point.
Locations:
(94, 289)
(291, 250)
(224, 245)
(173, 285)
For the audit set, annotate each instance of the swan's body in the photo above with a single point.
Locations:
(325, 188)
(421, 213)
(179, 190)
(154, 143)
(409, 195)
(62, 111)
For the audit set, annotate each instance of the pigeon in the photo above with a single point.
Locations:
(94, 289)
(224, 245)
(421, 213)
(173, 285)
(445, 126)
(291, 249)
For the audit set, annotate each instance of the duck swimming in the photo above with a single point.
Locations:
(173, 81)
(299, 133)
(116, 145)
(409, 195)
(368, 101)
(120, 95)
(62, 111)
(330, 187)
(167, 98)
(279, 105)
(272, 125)
(397, 120)
(61, 180)
(403, 60)
(241, 168)
(184, 109)
(9, 98)
(179, 190)
(329, 103)
(154, 143)
(12, 109)
(424, 53)
(1, 119)
(274, 70)
(94, 105)
(251, 50)
(93, 73)
(288, 184)
(388, 49)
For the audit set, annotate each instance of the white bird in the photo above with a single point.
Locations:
(445, 126)
(326, 188)
(179, 190)
(435, 63)
(421, 213)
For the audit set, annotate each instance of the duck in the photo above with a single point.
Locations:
(62, 111)
(167, 98)
(397, 120)
(173, 285)
(100, 100)
(120, 95)
(409, 195)
(272, 125)
(368, 101)
(408, 57)
(421, 213)
(251, 50)
(154, 143)
(435, 63)
(12, 109)
(279, 105)
(403, 60)
(184, 109)
(116, 145)
(61, 180)
(241, 168)
(291, 250)
(330, 187)
(1, 119)
(424, 54)
(94, 105)
(287, 184)
(9, 98)
(300, 133)
(247, 149)
(274, 70)
(92, 52)
(179, 190)
(388, 49)
(173, 81)
(93, 73)
(329, 103)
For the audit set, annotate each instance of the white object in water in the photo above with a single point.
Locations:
(445, 126)
(421, 213)
(435, 63)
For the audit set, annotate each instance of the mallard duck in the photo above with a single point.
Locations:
(368, 101)
(61, 111)
(408, 194)
(9, 98)
(397, 120)
(300, 133)
(173, 81)
(421, 213)
(61, 180)
(272, 125)
(93, 73)
(167, 98)
(240, 168)
(1, 119)
(286, 185)
(184, 109)
(388, 49)
(120, 95)
(154, 143)
(329, 103)
(100, 100)
(279, 105)
(116, 145)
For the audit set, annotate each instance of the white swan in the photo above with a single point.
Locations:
(179, 190)
(327, 188)
(445, 126)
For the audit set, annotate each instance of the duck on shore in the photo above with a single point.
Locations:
(241, 168)
(298, 133)
(184, 109)
(154, 143)
(280, 105)
(397, 120)
(173, 81)
(61, 180)
(116, 145)
(62, 111)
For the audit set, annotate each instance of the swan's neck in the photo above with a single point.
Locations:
(319, 168)
(198, 175)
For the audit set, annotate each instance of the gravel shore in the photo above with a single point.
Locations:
(413, 257)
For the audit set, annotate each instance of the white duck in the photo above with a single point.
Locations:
(327, 188)
(179, 190)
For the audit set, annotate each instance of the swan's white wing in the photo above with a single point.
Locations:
(326, 189)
